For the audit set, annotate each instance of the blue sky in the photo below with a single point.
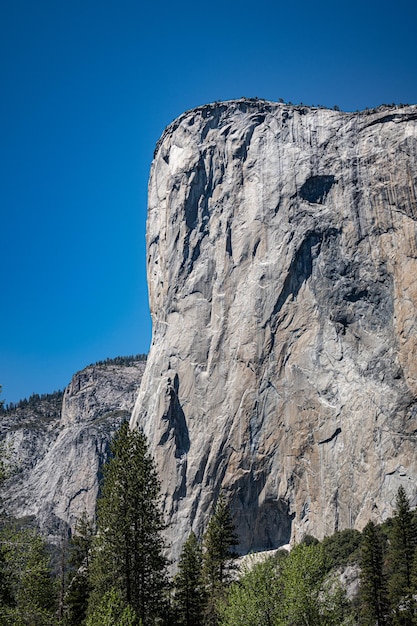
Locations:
(87, 89)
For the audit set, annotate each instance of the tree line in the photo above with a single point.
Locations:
(35, 403)
(113, 570)
(35, 400)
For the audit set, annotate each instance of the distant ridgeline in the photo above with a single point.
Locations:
(37, 401)
(121, 360)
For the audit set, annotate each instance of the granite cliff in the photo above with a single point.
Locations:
(56, 445)
(282, 267)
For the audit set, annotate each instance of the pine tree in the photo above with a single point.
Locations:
(128, 548)
(218, 558)
(112, 611)
(62, 568)
(78, 588)
(189, 594)
(402, 547)
(373, 587)
(32, 587)
(81, 541)
(6, 594)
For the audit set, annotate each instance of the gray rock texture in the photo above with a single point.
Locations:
(55, 455)
(282, 269)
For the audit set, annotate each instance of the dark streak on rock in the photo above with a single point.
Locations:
(335, 434)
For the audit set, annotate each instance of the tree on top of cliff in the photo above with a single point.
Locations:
(127, 553)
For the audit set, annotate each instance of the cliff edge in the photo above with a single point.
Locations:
(55, 446)
(282, 268)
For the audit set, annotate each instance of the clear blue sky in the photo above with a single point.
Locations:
(87, 87)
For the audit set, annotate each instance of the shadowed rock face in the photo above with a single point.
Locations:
(282, 273)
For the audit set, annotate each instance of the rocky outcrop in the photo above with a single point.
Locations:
(282, 268)
(55, 456)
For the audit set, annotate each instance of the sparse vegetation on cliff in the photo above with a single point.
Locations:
(44, 405)
(121, 360)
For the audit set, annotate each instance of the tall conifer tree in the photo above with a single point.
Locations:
(218, 558)
(189, 593)
(402, 547)
(373, 587)
(32, 597)
(128, 549)
(78, 589)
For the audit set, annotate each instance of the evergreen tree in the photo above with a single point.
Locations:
(218, 558)
(62, 569)
(78, 589)
(189, 593)
(33, 591)
(81, 541)
(127, 554)
(342, 547)
(112, 611)
(6, 595)
(402, 547)
(373, 587)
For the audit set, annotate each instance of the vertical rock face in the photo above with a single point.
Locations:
(56, 457)
(282, 269)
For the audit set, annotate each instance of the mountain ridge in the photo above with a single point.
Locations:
(56, 444)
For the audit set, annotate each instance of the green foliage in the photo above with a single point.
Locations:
(218, 558)
(3, 468)
(288, 590)
(342, 547)
(189, 593)
(309, 596)
(31, 589)
(6, 594)
(128, 547)
(373, 589)
(255, 598)
(124, 361)
(310, 540)
(80, 546)
(219, 540)
(78, 588)
(112, 610)
(45, 405)
(402, 548)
